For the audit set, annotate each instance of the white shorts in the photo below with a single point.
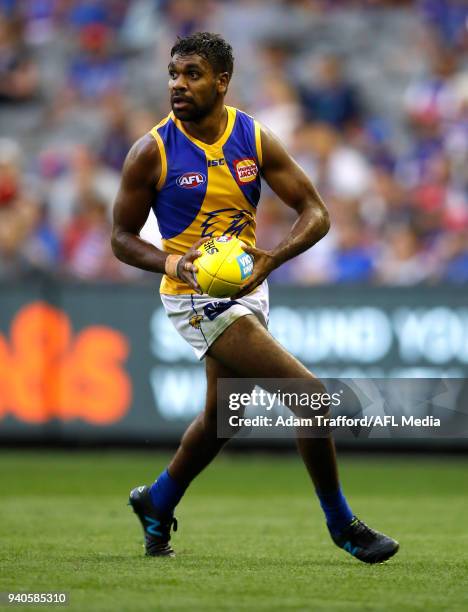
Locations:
(200, 319)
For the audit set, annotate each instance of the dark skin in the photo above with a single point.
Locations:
(244, 349)
(192, 81)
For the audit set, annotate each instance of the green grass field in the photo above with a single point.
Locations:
(251, 535)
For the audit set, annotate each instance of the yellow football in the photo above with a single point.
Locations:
(223, 266)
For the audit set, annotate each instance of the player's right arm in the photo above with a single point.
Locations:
(137, 190)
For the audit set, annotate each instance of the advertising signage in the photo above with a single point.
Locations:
(102, 362)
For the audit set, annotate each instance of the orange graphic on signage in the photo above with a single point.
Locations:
(47, 372)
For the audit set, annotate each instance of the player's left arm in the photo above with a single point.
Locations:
(290, 183)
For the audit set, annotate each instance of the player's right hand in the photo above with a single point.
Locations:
(186, 269)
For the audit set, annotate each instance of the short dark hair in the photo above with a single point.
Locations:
(212, 47)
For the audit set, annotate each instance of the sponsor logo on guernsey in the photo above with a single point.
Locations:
(245, 262)
(224, 239)
(189, 180)
(246, 170)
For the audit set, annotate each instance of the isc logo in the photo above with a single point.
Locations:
(191, 179)
(216, 162)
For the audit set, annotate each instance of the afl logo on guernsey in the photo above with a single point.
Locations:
(246, 170)
(191, 179)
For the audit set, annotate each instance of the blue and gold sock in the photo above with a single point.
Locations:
(337, 512)
(166, 493)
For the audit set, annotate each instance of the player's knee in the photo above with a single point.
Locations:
(306, 397)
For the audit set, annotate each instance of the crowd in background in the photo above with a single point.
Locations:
(371, 97)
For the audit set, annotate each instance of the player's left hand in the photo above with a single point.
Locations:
(186, 267)
(264, 263)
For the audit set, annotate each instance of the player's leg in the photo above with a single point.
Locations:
(200, 443)
(248, 349)
(199, 446)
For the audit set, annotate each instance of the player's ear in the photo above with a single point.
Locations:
(223, 82)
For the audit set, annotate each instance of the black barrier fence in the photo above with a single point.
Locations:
(102, 363)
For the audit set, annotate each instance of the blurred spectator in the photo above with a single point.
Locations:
(141, 26)
(448, 18)
(86, 247)
(383, 134)
(186, 17)
(95, 71)
(440, 199)
(278, 107)
(19, 77)
(124, 125)
(386, 201)
(426, 144)
(341, 170)
(83, 174)
(402, 261)
(117, 138)
(331, 98)
(18, 210)
(352, 261)
(454, 258)
(83, 13)
(42, 249)
(315, 266)
(433, 98)
(40, 20)
(273, 220)
(79, 14)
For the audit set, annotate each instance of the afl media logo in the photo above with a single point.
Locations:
(191, 179)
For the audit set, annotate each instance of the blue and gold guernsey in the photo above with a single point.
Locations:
(206, 190)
